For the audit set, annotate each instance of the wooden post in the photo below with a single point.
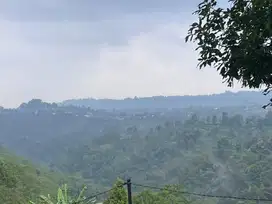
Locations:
(129, 191)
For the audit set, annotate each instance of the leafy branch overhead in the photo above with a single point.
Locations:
(236, 40)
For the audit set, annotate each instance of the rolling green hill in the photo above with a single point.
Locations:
(21, 181)
(212, 150)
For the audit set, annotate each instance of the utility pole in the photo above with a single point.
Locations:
(129, 191)
(258, 201)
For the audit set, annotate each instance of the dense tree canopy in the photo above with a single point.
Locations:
(211, 150)
(236, 40)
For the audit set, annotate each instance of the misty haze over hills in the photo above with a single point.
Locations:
(241, 98)
(69, 73)
(209, 144)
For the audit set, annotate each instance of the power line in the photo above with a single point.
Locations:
(174, 191)
(202, 195)
(101, 193)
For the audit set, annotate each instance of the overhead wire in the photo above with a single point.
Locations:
(175, 191)
(200, 194)
(100, 193)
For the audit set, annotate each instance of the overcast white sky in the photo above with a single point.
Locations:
(62, 49)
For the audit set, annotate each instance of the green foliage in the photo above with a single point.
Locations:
(20, 182)
(64, 198)
(207, 150)
(118, 194)
(236, 40)
(169, 195)
(231, 157)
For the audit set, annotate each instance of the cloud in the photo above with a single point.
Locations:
(137, 53)
(154, 63)
(87, 10)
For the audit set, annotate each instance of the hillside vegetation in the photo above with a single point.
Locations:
(222, 156)
(212, 150)
(20, 181)
(164, 102)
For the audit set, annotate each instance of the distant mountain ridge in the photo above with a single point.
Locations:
(241, 98)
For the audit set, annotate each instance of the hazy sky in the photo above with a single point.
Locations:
(61, 49)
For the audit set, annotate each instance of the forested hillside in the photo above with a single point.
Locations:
(220, 151)
(222, 156)
(171, 102)
(192, 149)
(21, 181)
